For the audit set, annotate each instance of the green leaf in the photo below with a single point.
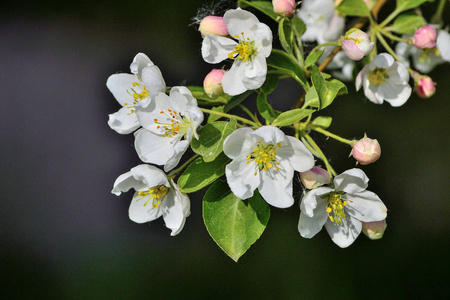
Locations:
(313, 57)
(409, 4)
(199, 93)
(214, 117)
(407, 23)
(327, 90)
(200, 173)
(211, 137)
(298, 26)
(354, 8)
(234, 224)
(311, 98)
(282, 61)
(263, 6)
(270, 84)
(236, 100)
(291, 116)
(322, 121)
(265, 109)
(285, 34)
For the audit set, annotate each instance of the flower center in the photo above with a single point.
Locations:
(335, 206)
(174, 124)
(244, 51)
(378, 76)
(138, 92)
(425, 56)
(156, 194)
(264, 156)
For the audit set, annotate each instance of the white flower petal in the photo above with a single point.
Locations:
(310, 226)
(298, 155)
(151, 176)
(178, 151)
(153, 79)
(255, 72)
(123, 121)
(216, 48)
(263, 39)
(140, 213)
(125, 182)
(308, 203)
(237, 143)
(175, 211)
(153, 148)
(351, 181)
(396, 95)
(344, 235)
(140, 61)
(238, 21)
(382, 60)
(276, 187)
(232, 81)
(443, 44)
(120, 85)
(148, 111)
(241, 178)
(365, 206)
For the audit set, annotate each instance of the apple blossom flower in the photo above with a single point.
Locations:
(213, 82)
(314, 178)
(425, 37)
(341, 209)
(154, 197)
(213, 25)
(251, 44)
(323, 24)
(265, 158)
(374, 230)
(356, 44)
(129, 89)
(366, 150)
(423, 85)
(284, 8)
(425, 60)
(166, 120)
(384, 79)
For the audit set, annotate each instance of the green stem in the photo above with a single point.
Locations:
(322, 156)
(323, 45)
(437, 17)
(331, 135)
(243, 120)
(385, 32)
(175, 173)
(391, 16)
(249, 113)
(387, 47)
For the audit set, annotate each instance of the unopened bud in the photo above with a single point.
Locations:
(213, 25)
(314, 178)
(213, 82)
(357, 44)
(374, 230)
(424, 85)
(425, 37)
(366, 151)
(284, 7)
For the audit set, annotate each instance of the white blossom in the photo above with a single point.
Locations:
(265, 159)
(251, 43)
(129, 89)
(154, 197)
(341, 209)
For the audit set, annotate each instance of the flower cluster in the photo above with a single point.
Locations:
(264, 155)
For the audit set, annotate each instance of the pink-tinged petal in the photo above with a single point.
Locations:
(276, 186)
(238, 143)
(358, 80)
(216, 48)
(351, 181)
(310, 226)
(344, 235)
(141, 211)
(153, 80)
(365, 206)
(120, 86)
(123, 121)
(153, 148)
(239, 21)
(352, 50)
(232, 81)
(242, 178)
(140, 62)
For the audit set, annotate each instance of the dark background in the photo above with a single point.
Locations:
(63, 235)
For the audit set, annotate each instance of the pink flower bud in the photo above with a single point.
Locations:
(424, 85)
(425, 37)
(314, 178)
(213, 25)
(366, 151)
(374, 230)
(284, 7)
(213, 82)
(356, 44)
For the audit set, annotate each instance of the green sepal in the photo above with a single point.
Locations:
(285, 34)
(353, 8)
(292, 116)
(199, 93)
(200, 173)
(407, 23)
(322, 121)
(265, 7)
(327, 90)
(282, 61)
(313, 57)
(265, 109)
(235, 225)
(298, 26)
(210, 139)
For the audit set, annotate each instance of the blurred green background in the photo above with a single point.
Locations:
(63, 235)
